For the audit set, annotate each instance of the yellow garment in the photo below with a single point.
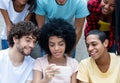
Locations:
(104, 26)
(88, 71)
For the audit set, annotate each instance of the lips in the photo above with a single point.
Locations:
(105, 11)
(56, 53)
(92, 53)
(28, 50)
(61, 1)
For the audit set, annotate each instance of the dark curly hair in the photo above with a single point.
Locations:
(60, 28)
(21, 29)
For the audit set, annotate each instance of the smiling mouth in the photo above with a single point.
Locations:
(56, 53)
(105, 10)
(92, 54)
(60, 2)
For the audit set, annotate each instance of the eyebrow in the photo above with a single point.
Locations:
(109, 3)
(31, 37)
(91, 42)
(58, 42)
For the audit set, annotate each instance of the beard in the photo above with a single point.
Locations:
(22, 51)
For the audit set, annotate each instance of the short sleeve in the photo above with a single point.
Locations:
(82, 10)
(37, 65)
(82, 74)
(4, 4)
(40, 8)
(75, 65)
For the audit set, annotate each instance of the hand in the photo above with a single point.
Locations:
(50, 72)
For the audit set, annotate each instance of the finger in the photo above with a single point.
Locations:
(50, 75)
(56, 71)
(50, 66)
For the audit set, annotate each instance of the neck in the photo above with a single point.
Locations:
(18, 7)
(105, 60)
(15, 57)
(107, 18)
(61, 61)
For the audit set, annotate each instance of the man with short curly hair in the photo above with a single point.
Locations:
(15, 62)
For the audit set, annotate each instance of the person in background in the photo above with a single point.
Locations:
(13, 12)
(102, 17)
(73, 11)
(101, 66)
(15, 63)
(57, 38)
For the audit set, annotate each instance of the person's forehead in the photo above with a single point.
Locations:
(92, 37)
(53, 38)
(30, 36)
(110, 1)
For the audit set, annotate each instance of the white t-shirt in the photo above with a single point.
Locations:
(14, 16)
(12, 74)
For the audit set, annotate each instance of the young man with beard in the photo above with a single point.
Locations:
(15, 62)
(101, 66)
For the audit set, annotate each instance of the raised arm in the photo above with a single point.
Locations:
(7, 19)
(73, 79)
(40, 20)
(79, 22)
(28, 17)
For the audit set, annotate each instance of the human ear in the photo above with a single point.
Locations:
(106, 42)
(15, 39)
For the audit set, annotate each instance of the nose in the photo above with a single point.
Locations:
(32, 44)
(107, 6)
(90, 48)
(56, 47)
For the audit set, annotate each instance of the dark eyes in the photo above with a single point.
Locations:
(93, 44)
(51, 45)
(112, 5)
(28, 40)
(61, 44)
(106, 2)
